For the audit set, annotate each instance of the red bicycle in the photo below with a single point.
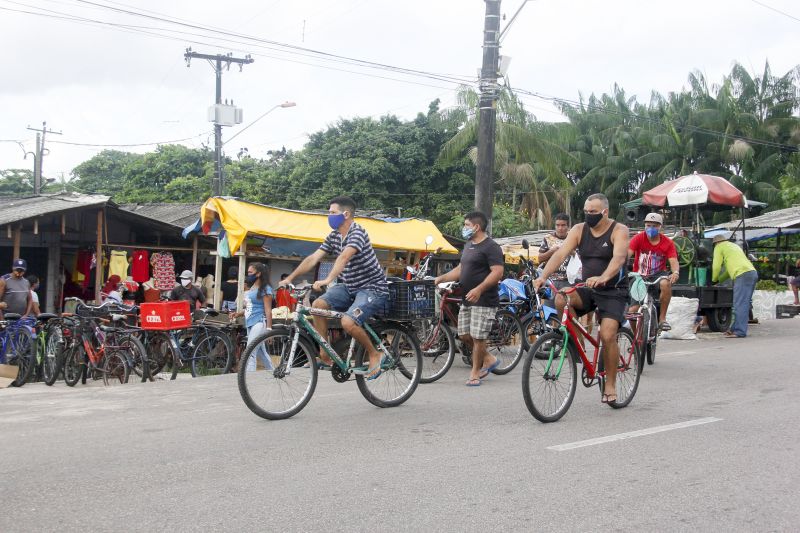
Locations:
(549, 377)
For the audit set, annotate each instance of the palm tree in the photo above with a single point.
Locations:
(526, 160)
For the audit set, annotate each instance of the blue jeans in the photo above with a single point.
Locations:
(743, 287)
(359, 305)
(260, 351)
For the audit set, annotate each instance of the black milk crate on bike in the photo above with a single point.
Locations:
(410, 300)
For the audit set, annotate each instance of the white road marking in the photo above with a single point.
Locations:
(632, 434)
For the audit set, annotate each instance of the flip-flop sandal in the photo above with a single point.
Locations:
(473, 383)
(606, 398)
(376, 375)
(486, 371)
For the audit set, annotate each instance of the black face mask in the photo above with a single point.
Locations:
(593, 219)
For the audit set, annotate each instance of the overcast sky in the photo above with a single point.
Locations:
(126, 82)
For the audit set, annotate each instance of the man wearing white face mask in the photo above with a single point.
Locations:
(188, 291)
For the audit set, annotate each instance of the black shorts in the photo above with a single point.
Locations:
(609, 303)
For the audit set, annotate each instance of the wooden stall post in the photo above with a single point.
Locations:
(98, 281)
(240, 279)
(17, 240)
(194, 255)
(218, 282)
(53, 280)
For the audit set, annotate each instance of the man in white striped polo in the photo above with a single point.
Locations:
(362, 290)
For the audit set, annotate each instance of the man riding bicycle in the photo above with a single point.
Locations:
(651, 251)
(362, 290)
(602, 244)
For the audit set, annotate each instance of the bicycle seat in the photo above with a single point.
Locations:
(12, 316)
(118, 318)
(108, 329)
(44, 317)
(209, 311)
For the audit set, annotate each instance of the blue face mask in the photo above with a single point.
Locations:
(250, 279)
(651, 232)
(335, 221)
(467, 232)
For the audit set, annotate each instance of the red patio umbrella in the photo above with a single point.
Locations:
(695, 189)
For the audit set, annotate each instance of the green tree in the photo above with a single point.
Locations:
(105, 173)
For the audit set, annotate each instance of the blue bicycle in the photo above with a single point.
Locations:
(18, 345)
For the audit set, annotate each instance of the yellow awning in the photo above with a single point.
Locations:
(240, 218)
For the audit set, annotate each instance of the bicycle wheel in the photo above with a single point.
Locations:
(213, 354)
(22, 353)
(400, 373)
(74, 363)
(628, 372)
(135, 355)
(506, 341)
(162, 358)
(651, 346)
(533, 327)
(269, 386)
(438, 345)
(549, 380)
(53, 356)
(115, 368)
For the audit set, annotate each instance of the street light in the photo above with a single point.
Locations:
(270, 110)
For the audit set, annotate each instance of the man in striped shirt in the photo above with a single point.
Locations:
(362, 290)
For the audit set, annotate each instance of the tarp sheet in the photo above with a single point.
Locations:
(239, 218)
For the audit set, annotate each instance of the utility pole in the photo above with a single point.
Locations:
(487, 116)
(38, 156)
(216, 62)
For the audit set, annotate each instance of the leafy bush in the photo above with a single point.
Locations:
(769, 285)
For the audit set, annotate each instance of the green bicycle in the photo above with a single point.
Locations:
(278, 370)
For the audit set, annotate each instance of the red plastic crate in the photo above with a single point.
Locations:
(165, 315)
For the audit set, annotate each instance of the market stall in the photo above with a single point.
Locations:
(285, 234)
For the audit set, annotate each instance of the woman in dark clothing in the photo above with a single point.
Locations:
(230, 288)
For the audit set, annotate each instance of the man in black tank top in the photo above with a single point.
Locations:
(602, 245)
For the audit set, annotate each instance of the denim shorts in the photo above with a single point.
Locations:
(360, 305)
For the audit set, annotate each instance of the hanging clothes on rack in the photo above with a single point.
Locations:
(83, 267)
(140, 266)
(119, 264)
(163, 270)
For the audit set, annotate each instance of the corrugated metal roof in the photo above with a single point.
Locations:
(535, 238)
(782, 218)
(179, 215)
(16, 209)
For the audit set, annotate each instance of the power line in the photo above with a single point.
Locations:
(762, 4)
(293, 48)
(151, 31)
(129, 145)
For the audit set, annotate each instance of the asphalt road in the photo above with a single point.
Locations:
(188, 455)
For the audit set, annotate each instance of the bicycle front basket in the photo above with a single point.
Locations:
(638, 289)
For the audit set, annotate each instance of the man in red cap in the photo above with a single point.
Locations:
(652, 253)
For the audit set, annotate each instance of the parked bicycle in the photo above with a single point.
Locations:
(49, 354)
(204, 348)
(102, 345)
(17, 346)
(549, 377)
(278, 370)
